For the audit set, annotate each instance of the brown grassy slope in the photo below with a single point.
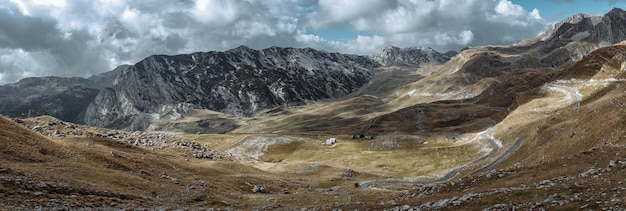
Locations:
(599, 121)
(570, 158)
(83, 177)
(581, 181)
(461, 116)
(35, 170)
(19, 144)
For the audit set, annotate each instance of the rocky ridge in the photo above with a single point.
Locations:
(472, 71)
(64, 98)
(52, 127)
(241, 81)
(413, 56)
(266, 78)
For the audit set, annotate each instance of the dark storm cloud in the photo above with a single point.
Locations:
(31, 45)
(28, 33)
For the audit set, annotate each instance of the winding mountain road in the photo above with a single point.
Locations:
(495, 148)
(504, 156)
(572, 92)
(568, 91)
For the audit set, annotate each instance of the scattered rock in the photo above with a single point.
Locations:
(175, 180)
(37, 128)
(348, 173)
(115, 154)
(545, 183)
(90, 144)
(57, 133)
(56, 128)
(259, 189)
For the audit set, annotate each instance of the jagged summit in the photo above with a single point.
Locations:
(606, 29)
(568, 27)
(612, 28)
(414, 56)
(241, 48)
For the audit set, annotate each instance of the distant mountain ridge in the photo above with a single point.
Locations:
(392, 55)
(64, 98)
(241, 81)
(273, 77)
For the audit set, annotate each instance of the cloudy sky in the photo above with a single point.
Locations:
(86, 37)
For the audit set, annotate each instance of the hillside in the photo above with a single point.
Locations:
(79, 167)
(572, 137)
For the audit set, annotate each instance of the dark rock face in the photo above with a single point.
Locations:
(606, 30)
(612, 29)
(413, 56)
(240, 81)
(64, 98)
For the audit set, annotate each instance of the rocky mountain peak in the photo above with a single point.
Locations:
(616, 12)
(414, 56)
(241, 48)
(612, 28)
(240, 81)
(604, 30)
(575, 27)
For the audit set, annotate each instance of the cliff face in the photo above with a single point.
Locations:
(611, 29)
(240, 81)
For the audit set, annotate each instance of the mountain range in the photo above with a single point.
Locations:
(241, 81)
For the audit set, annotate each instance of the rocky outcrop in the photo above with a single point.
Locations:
(606, 30)
(569, 26)
(241, 81)
(413, 56)
(612, 28)
(64, 98)
(52, 127)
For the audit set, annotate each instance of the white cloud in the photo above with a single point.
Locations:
(331, 12)
(85, 37)
(441, 24)
(535, 14)
(365, 44)
(216, 13)
(508, 9)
